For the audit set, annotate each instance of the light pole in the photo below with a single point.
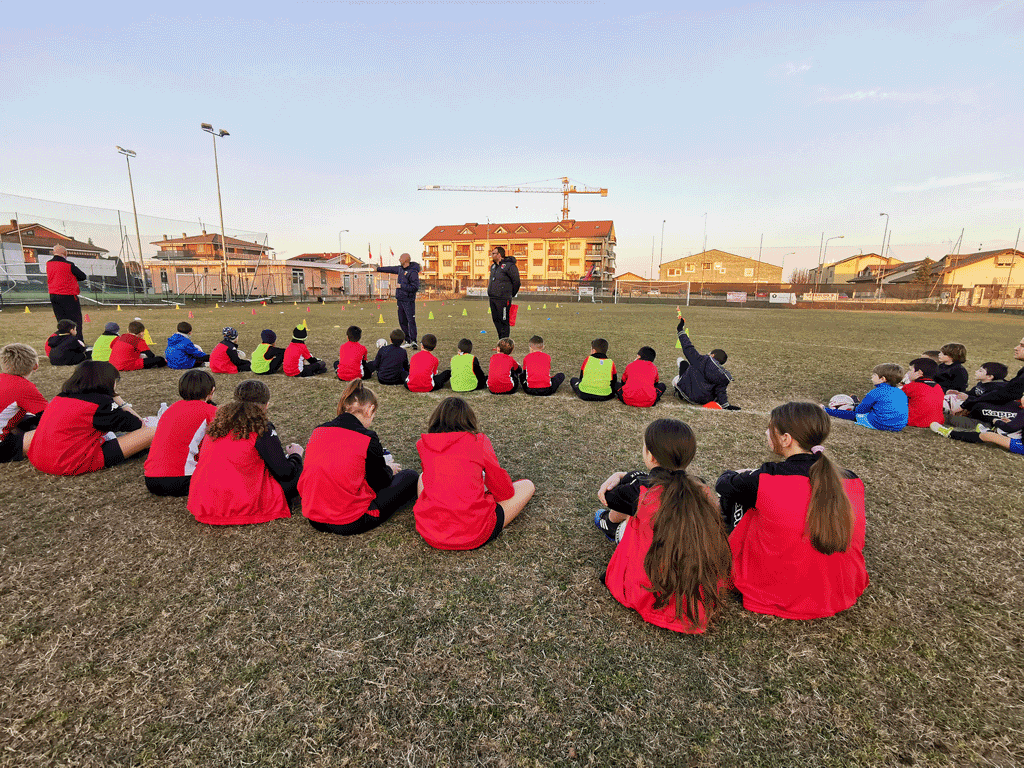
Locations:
(339, 241)
(661, 252)
(821, 264)
(225, 287)
(782, 268)
(128, 154)
(878, 293)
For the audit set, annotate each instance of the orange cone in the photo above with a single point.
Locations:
(713, 406)
(190, 315)
(86, 318)
(254, 311)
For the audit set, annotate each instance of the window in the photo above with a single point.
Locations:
(479, 262)
(554, 265)
(1004, 259)
(691, 268)
(718, 265)
(447, 262)
(574, 262)
(538, 262)
(574, 246)
(556, 249)
(538, 246)
(478, 247)
(447, 247)
(462, 266)
(433, 251)
(706, 265)
(674, 272)
(748, 272)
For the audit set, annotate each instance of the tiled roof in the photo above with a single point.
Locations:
(211, 239)
(520, 230)
(73, 246)
(951, 261)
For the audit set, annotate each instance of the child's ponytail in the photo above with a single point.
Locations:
(829, 521)
(355, 395)
(689, 556)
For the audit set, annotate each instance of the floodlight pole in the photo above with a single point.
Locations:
(128, 154)
(878, 293)
(225, 287)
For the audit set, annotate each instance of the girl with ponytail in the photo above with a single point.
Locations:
(349, 484)
(673, 557)
(243, 474)
(797, 526)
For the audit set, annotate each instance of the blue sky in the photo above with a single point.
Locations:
(781, 119)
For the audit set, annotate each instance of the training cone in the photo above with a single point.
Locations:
(146, 337)
(118, 307)
(86, 318)
(380, 321)
(254, 311)
(430, 316)
(27, 311)
(528, 307)
(556, 306)
(678, 345)
(176, 306)
(295, 303)
(190, 315)
(713, 406)
(465, 313)
(308, 309)
(216, 305)
(263, 303)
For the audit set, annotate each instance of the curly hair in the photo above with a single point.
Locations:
(245, 414)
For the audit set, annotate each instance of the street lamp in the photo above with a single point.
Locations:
(340, 251)
(661, 252)
(821, 264)
(128, 154)
(782, 268)
(225, 287)
(878, 293)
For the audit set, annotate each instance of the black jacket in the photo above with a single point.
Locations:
(408, 280)
(705, 380)
(953, 376)
(392, 363)
(66, 350)
(998, 392)
(504, 281)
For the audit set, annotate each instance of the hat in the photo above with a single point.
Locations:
(299, 332)
(111, 328)
(229, 332)
(267, 336)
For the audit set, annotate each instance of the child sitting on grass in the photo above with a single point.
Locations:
(349, 483)
(640, 386)
(797, 526)
(179, 432)
(672, 560)
(503, 370)
(597, 380)
(988, 377)
(130, 352)
(352, 363)
(64, 347)
(1002, 437)
(226, 357)
(243, 474)
(392, 361)
(266, 358)
(182, 353)
(21, 403)
(951, 374)
(702, 379)
(77, 432)
(885, 407)
(423, 373)
(101, 347)
(924, 396)
(537, 378)
(465, 498)
(467, 375)
(298, 360)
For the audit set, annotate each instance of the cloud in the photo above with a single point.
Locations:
(930, 96)
(795, 69)
(951, 181)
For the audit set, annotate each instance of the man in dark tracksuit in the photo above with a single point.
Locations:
(62, 279)
(408, 272)
(501, 288)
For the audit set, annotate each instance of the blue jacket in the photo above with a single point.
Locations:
(181, 352)
(392, 364)
(408, 280)
(886, 407)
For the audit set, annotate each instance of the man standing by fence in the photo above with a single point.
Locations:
(501, 288)
(408, 272)
(62, 279)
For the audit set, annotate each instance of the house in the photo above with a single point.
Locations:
(344, 258)
(847, 269)
(563, 250)
(25, 249)
(717, 266)
(629, 277)
(983, 275)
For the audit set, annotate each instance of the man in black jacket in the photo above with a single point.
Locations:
(408, 272)
(501, 288)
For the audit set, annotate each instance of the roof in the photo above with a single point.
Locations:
(204, 238)
(10, 234)
(904, 272)
(521, 230)
(952, 261)
(713, 254)
(888, 260)
(630, 276)
(329, 258)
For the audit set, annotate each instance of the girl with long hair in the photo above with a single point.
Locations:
(74, 434)
(672, 560)
(465, 498)
(243, 474)
(348, 484)
(797, 526)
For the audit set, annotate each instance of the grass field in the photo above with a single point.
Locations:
(131, 635)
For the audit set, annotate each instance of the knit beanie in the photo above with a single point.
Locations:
(299, 332)
(111, 328)
(268, 336)
(229, 332)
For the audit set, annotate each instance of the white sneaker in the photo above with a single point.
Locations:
(675, 380)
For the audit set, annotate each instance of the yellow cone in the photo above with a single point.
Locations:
(678, 345)
(429, 317)
(176, 306)
(146, 337)
(118, 307)
(216, 305)
(27, 311)
(528, 307)
(381, 320)
(557, 307)
(465, 313)
(295, 303)
(545, 306)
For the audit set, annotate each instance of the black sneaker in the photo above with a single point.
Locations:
(605, 525)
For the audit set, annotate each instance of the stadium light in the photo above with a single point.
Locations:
(340, 251)
(128, 154)
(225, 286)
(878, 293)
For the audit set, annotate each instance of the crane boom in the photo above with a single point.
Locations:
(566, 189)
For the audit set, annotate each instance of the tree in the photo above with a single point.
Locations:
(801, 277)
(924, 272)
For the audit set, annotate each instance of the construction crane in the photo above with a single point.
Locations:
(566, 189)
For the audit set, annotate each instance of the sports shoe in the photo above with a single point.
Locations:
(940, 430)
(983, 428)
(408, 345)
(605, 525)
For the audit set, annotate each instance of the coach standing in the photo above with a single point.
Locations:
(408, 272)
(501, 288)
(62, 279)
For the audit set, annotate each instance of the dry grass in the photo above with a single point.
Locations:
(130, 635)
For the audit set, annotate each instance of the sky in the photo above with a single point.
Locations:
(731, 121)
